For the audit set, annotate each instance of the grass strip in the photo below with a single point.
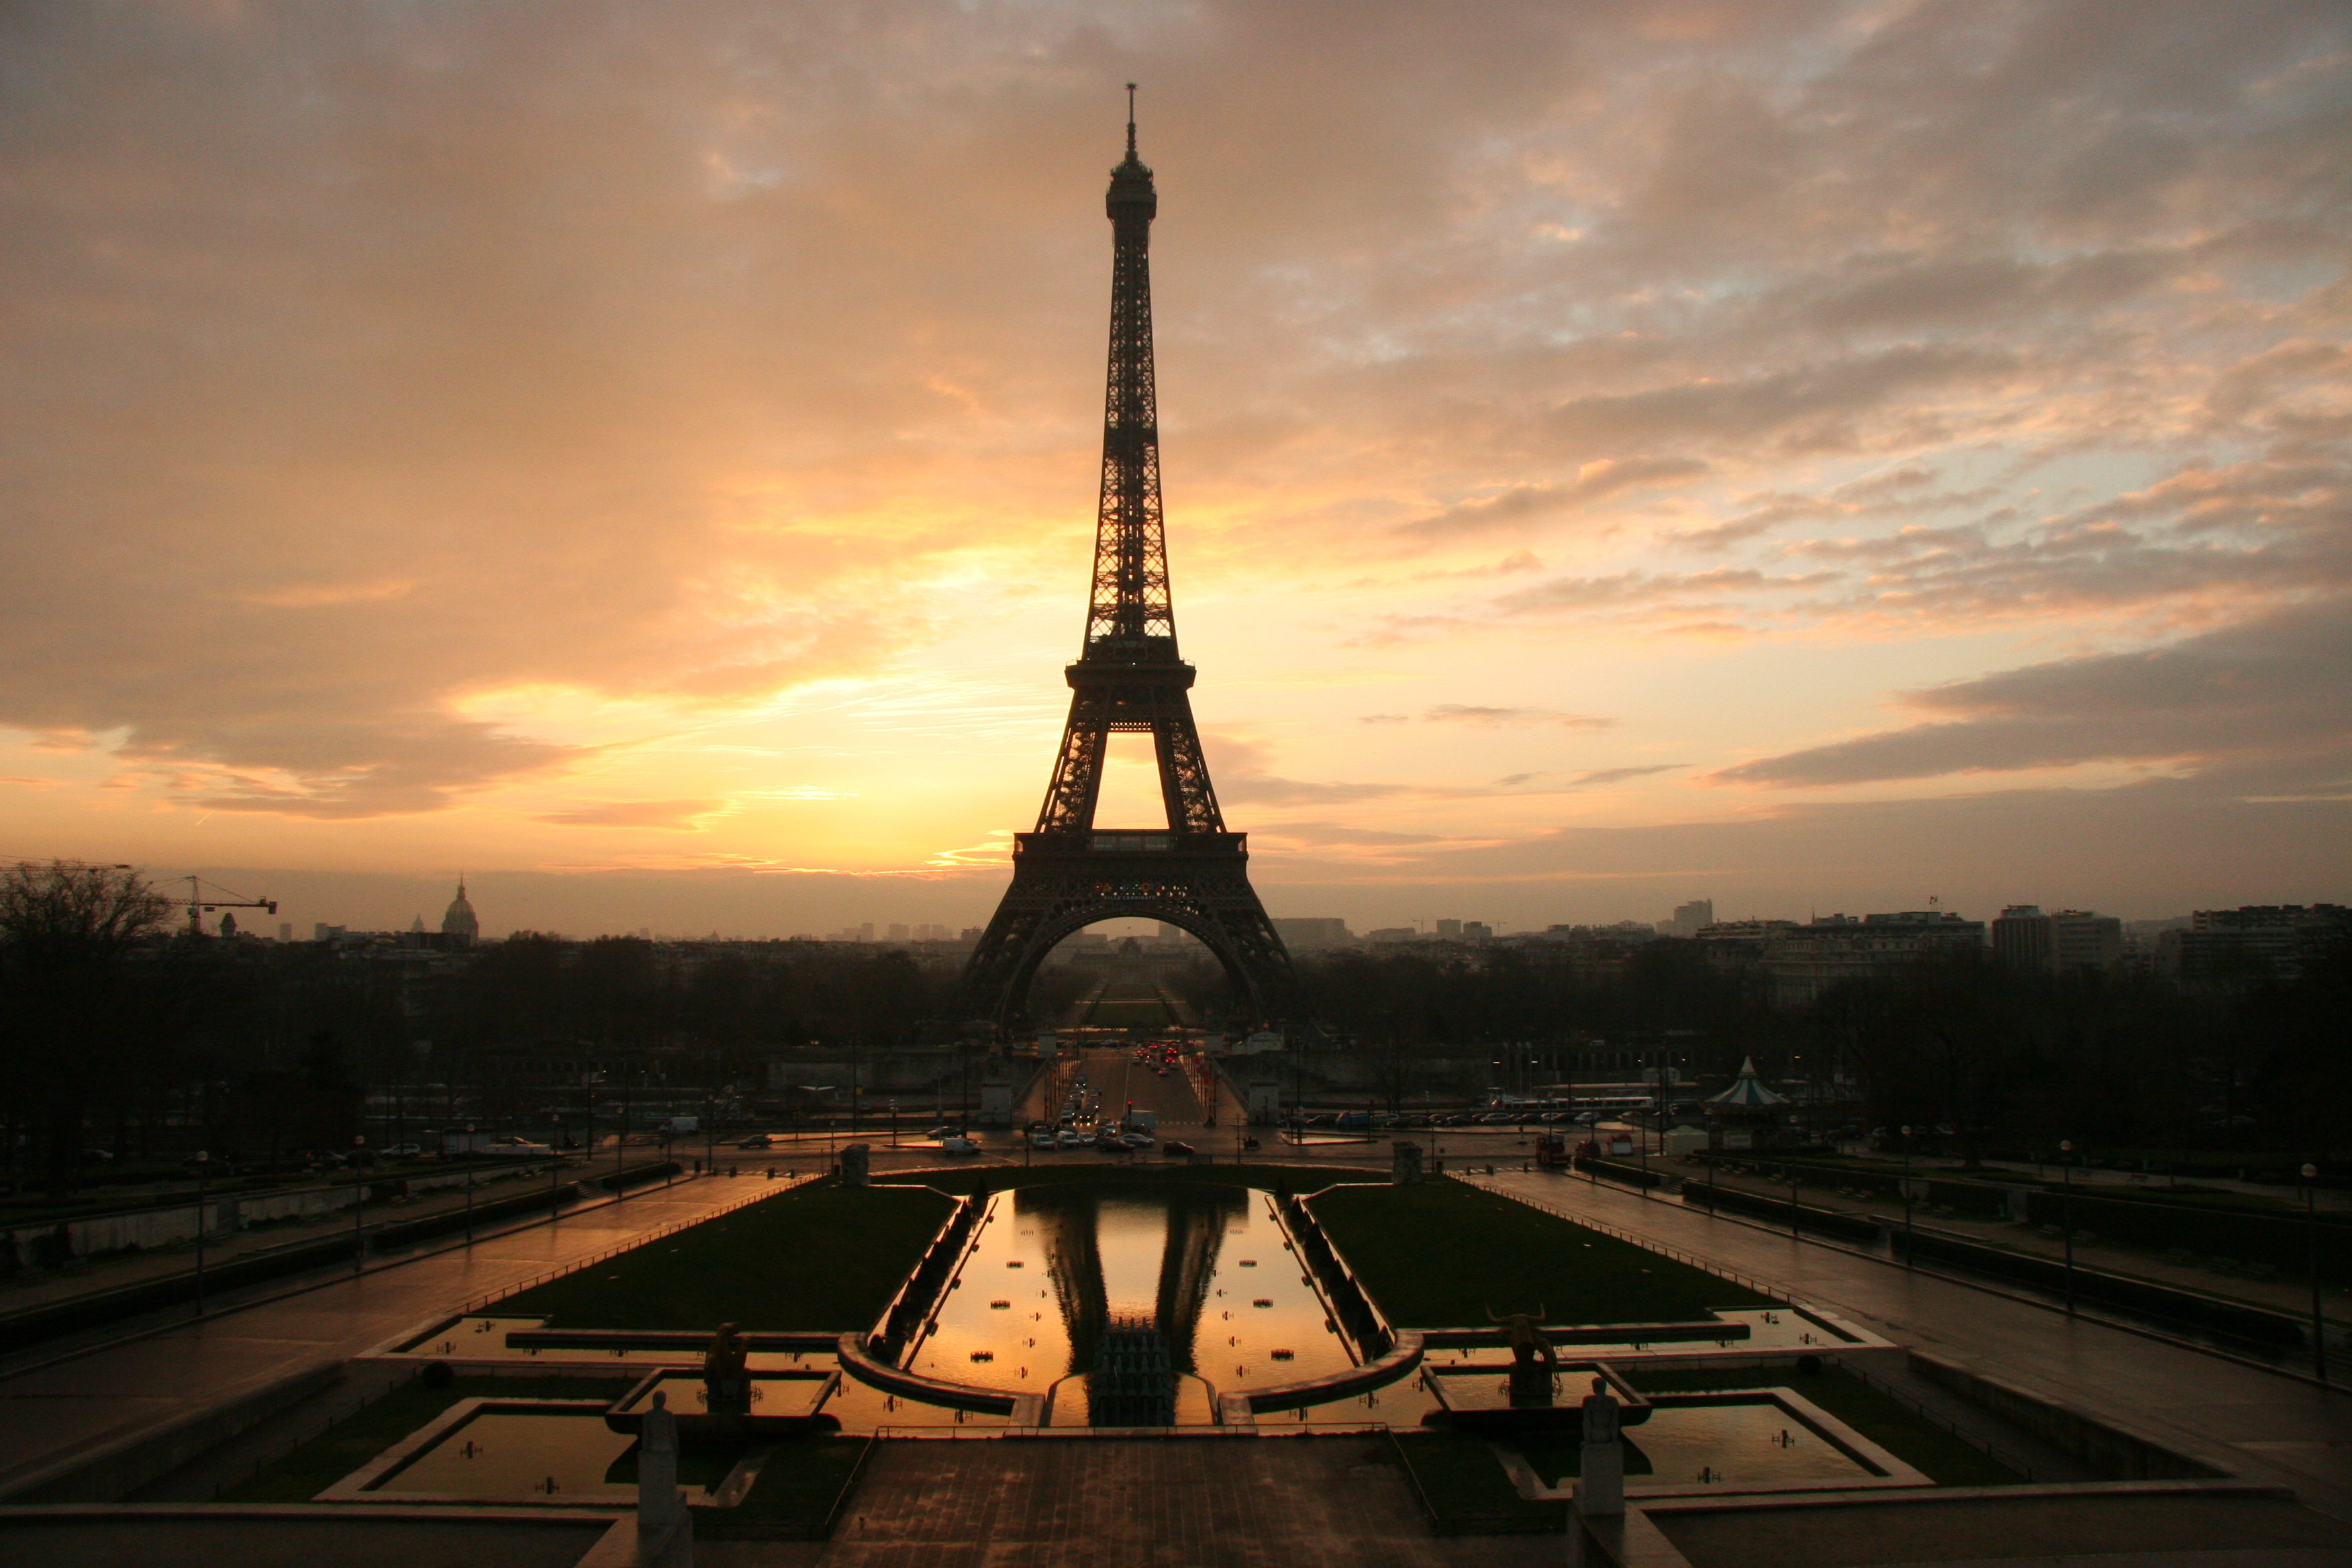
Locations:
(818, 1256)
(793, 1496)
(315, 1465)
(1467, 1490)
(1443, 1255)
(1947, 1460)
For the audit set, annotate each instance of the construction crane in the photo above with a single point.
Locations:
(199, 906)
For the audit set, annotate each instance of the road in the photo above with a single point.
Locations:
(2250, 1422)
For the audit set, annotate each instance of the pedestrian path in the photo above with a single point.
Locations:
(2289, 1296)
(58, 1412)
(2253, 1423)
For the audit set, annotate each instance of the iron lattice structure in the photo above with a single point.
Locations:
(1128, 676)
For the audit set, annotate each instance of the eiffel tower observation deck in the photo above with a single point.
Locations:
(1187, 871)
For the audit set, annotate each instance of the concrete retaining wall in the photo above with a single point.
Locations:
(2112, 1451)
(118, 1469)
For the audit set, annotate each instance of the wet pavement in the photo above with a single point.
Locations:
(63, 1409)
(2253, 1423)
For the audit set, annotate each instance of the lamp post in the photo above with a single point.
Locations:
(1792, 1200)
(2311, 1229)
(203, 1162)
(469, 1203)
(2066, 1213)
(1907, 1261)
(358, 1206)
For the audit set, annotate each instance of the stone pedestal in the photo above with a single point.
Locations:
(1601, 1483)
(664, 1523)
(856, 1163)
(1404, 1166)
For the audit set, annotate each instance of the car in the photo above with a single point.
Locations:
(404, 1152)
(1495, 1118)
(944, 1132)
(1178, 1146)
(1138, 1140)
(1071, 1138)
(1043, 1138)
(958, 1145)
(757, 1140)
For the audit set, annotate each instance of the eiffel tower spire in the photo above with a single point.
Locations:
(1187, 871)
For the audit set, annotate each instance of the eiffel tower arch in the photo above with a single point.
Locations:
(1188, 872)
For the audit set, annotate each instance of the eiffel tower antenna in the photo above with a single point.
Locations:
(1188, 872)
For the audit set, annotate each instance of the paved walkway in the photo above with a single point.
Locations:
(53, 1413)
(1289, 1502)
(2290, 1296)
(2252, 1423)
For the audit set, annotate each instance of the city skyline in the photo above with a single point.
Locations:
(1810, 460)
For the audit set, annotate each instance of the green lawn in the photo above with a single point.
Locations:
(1889, 1423)
(997, 1178)
(1441, 1255)
(819, 1257)
(351, 1442)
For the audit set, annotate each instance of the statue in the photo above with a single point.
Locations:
(1600, 1486)
(1528, 1345)
(726, 1377)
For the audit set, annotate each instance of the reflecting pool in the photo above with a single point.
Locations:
(1053, 1268)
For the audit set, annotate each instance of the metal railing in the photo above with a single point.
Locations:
(1706, 1265)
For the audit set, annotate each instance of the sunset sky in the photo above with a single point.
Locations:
(1812, 456)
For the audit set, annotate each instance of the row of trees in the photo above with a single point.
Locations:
(118, 1034)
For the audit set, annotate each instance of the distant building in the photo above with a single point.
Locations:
(1477, 933)
(2063, 941)
(1449, 930)
(1802, 962)
(2256, 942)
(459, 923)
(898, 933)
(1306, 934)
(1689, 919)
(286, 930)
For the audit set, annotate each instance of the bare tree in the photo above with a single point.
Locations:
(68, 1014)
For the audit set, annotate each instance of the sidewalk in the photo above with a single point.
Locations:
(2250, 1422)
(55, 1412)
(2284, 1294)
(92, 1275)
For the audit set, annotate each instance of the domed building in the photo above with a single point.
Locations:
(459, 923)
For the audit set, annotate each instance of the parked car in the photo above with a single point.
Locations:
(944, 1133)
(1178, 1146)
(1071, 1138)
(1045, 1138)
(958, 1145)
(757, 1140)
(405, 1152)
(1137, 1140)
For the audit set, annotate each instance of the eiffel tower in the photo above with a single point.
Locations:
(1190, 873)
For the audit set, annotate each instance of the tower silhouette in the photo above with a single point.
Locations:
(1068, 873)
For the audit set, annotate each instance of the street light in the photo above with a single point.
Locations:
(2066, 1213)
(1907, 1250)
(358, 1206)
(204, 1162)
(2311, 1228)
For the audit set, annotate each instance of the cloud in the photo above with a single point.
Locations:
(680, 814)
(2278, 687)
(1494, 718)
(1619, 775)
(1523, 504)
